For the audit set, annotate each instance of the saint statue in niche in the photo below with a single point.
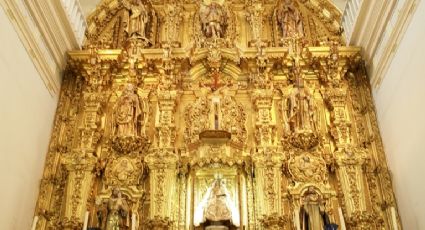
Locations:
(137, 18)
(128, 113)
(118, 212)
(216, 206)
(312, 213)
(299, 110)
(213, 19)
(289, 19)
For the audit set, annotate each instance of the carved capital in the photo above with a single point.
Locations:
(262, 98)
(336, 97)
(79, 161)
(159, 223)
(70, 223)
(351, 156)
(364, 221)
(274, 222)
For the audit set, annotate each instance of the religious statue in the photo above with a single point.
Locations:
(213, 19)
(217, 206)
(311, 211)
(118, 212)
(299, 110)
(127, 113)
(137, 18)
(289, 19)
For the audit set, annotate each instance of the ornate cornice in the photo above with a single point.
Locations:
(378, 27)
(46, 33)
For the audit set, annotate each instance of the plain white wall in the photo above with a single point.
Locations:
(400, 102)
(26, 118)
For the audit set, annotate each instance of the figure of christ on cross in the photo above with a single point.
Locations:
(215, 84)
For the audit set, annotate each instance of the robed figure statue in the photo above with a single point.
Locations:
(289, 19)
(213, 18)
(299, 110)
(137, 18)
(118, 212)
(128, 113)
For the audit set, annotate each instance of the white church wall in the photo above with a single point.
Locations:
(400, 103)
(26, 117)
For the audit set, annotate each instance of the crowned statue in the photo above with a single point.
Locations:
(217, 207)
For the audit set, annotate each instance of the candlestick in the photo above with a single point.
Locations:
(86, 220)
(297, 219)
(394, 218)
(341, 219)
(34, 223)
(133, 221)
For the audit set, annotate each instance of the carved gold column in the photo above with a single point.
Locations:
(268, 163)
(81, 162)
(79, 181)
(162, 163)
(349, 159)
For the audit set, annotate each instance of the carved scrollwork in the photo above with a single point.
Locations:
(308, 168)
(124, 171)
(197, 119)
(128, 144)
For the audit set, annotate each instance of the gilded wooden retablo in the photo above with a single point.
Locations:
(216, 114)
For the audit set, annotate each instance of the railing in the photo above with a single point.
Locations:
(76, 18)
(349, 17)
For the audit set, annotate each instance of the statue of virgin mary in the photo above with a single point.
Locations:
(216, 206)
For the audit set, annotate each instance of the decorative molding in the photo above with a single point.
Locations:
(389, 45)
(46, 33)
(378, 27)
(76, 18)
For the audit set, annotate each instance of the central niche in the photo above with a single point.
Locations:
(218, 197)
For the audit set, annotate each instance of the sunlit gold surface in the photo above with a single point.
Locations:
(261, 94)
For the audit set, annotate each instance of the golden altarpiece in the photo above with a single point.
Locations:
(216, 114)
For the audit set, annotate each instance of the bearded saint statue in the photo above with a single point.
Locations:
(127, 113)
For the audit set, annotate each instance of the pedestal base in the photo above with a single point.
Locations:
(217, 227)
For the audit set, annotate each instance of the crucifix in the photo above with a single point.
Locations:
(215, 84)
